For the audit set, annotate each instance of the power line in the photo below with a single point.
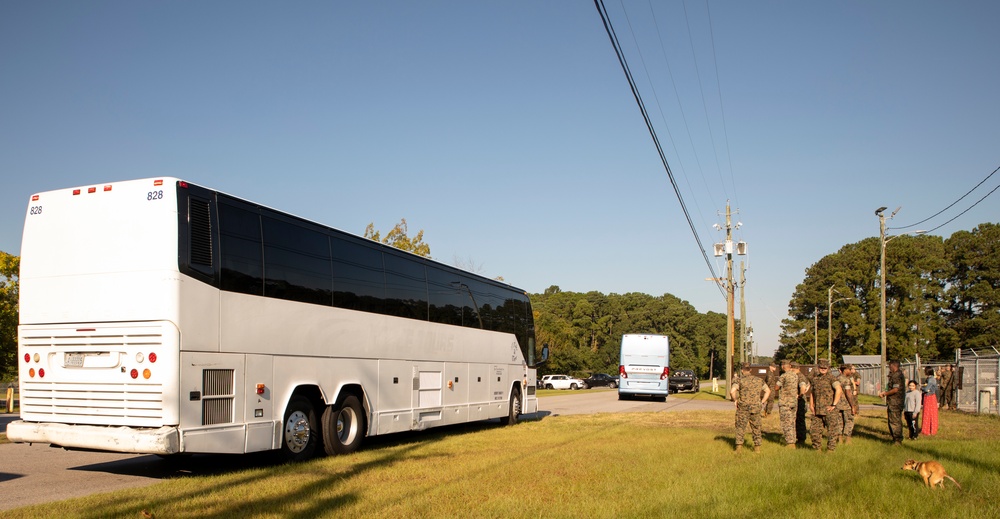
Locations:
(967, 210)
(953, 204)
(599, 4)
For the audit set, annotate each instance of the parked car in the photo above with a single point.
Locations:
(600, 380)
(684, 380)
(561, 382)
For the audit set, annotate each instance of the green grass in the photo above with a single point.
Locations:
(625, 465)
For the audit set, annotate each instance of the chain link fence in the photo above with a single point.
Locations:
(978, 378)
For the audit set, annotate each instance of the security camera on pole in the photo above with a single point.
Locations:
(726, 249)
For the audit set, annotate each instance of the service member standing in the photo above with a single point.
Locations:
(771, 379)
(894, 399)
(801, 405)
(946, 374)
(789, 388)
(824, 400)
(848, 407)
(749, 394)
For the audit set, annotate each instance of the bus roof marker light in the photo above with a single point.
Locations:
(158, 182)
(76, 192)
(34, 198)
(107, 188)
(182, 184)
(91, 189)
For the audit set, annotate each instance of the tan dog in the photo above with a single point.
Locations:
(932, 472)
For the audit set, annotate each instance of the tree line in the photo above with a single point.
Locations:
(584, 330)
(941, 294)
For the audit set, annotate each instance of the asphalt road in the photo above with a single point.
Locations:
(32, 474)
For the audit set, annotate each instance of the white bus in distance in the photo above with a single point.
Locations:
(161, 317)
(645, 367)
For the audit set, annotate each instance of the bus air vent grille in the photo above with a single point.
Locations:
(201, 232)
(217, 399)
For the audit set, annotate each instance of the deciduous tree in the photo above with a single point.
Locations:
(398, 238)
(9, 268)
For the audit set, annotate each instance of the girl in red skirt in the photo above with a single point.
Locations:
(929, 417)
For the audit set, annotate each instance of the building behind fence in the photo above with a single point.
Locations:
(978, 382)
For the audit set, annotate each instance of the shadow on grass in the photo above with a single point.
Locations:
(387, 450)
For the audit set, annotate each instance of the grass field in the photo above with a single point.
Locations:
(614, 465)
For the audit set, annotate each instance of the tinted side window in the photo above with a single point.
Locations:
(405, 287)
(296, 263)
(358, 279)
(447, 296)
(239, 240)
(476, 312)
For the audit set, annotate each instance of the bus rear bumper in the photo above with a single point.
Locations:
(163, 440)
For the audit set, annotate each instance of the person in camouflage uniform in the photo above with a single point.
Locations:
(749, 394)
(945, 375)
(800, 406)
(895, 398)
(848, 406)
(789, 388)
(771, 379)
(824, 399)
(951, 390)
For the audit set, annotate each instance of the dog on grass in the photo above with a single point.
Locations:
(932, 472)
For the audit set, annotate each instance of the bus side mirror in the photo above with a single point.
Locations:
(545, 353)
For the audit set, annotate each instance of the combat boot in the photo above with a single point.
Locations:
(739, 448)
(756, 448)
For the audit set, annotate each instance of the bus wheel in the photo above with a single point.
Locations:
(300, 436)
(514, 411)
(343, 426)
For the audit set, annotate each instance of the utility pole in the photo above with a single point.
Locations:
(881, 270)
(730, 296)
(743, 315)
(726, 249)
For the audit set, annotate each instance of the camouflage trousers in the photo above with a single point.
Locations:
(745, 416)
(895, 412)
(787, 416)
(847, 417)
(828, 424)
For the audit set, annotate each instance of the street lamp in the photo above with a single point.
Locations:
(829, 321)
(883, 241)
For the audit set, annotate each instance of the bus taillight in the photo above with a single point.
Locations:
(146, 373)
(151, 357)
(621, 371)
(41, 372)
(134, 373)
(666, 373)
(31, 372)
(27, 357)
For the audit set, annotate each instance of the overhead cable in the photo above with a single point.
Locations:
(645, 116)
(953, 204)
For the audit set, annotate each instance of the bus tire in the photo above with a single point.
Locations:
(514, 411)
(343, 426)
(300, 436)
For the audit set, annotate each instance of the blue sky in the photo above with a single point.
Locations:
(507, 130)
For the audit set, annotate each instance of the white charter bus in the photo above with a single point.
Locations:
(161, 317)
(645, 366)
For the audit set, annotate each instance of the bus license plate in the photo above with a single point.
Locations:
(73, 360)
